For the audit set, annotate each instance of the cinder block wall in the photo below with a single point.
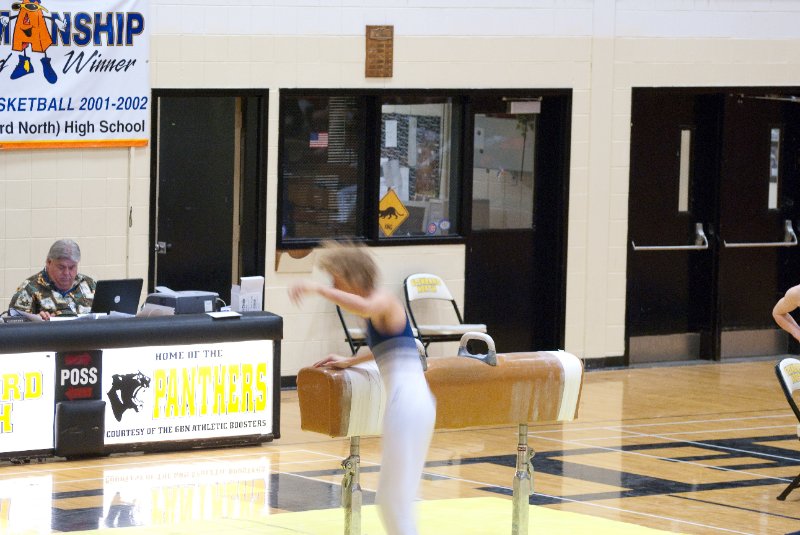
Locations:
(598, 48)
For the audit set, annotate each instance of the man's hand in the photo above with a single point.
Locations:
(45, 315)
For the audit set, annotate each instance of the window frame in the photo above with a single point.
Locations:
(368, 198)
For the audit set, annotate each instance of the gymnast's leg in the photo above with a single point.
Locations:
(408, 427)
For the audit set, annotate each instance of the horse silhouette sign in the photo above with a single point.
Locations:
(391, 213)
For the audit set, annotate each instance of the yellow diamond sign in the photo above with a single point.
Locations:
(391, 213)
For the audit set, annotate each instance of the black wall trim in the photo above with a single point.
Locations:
(289, 382)
(604, 362)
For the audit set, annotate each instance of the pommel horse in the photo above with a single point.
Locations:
(471, 391)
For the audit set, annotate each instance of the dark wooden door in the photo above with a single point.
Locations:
(757, 223)
(713, 183)
(194, 230)
(671, 225)
(516, 254)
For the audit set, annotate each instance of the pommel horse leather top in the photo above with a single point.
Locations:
(522, 388)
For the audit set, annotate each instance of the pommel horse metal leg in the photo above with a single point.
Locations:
(351, 490)
(523, 484)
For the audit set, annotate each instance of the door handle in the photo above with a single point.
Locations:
(700, 243)
(162, 247)
(789, 239)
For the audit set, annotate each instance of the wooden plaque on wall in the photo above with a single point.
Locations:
(380, 51)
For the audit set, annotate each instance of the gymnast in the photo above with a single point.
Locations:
(410, 407)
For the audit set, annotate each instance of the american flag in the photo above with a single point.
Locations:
(318, 140)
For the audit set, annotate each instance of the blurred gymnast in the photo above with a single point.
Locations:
(410, 407)
(781, 313)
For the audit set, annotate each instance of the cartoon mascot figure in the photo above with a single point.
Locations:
(30, 30)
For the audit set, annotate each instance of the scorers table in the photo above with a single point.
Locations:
(94, 387)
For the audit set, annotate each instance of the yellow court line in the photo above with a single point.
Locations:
(464, 516)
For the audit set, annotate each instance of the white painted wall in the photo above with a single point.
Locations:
(598, 48)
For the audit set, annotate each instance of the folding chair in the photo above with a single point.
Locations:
(356, 337)
(426, 286)
(788, 372)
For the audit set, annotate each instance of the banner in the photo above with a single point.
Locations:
(188, 392)
(26, 402)
(74, 73)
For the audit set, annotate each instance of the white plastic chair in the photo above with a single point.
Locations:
(427, 286)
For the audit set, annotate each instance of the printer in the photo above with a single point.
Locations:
(184, 302)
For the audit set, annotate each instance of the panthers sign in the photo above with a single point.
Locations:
(188, 392)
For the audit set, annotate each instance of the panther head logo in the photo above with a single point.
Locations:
(124, 392)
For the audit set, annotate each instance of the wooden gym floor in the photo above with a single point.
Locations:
(701, 448)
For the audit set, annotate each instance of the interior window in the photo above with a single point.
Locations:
(322, 167)
(373, 166)
(417, 178)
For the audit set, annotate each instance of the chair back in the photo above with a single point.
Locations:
(355, 336)
(431, 288)
(788, 372)
(426, 286)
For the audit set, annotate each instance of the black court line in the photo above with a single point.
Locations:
(566, 463)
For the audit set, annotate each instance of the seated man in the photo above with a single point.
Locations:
(57, 290)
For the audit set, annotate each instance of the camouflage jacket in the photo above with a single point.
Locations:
(39, 293)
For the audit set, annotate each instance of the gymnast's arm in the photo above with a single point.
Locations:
(338, 361)
(782, 311)
(384, 310)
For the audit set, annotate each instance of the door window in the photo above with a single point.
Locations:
(774, 167)
(684, 170)
(503, 170)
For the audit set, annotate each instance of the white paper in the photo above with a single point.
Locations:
(223, 315)
(391, 134)
(165, 290)
(152, 309)
(248, 295)
(27, 315)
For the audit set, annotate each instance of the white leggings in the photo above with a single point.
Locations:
(407, 430)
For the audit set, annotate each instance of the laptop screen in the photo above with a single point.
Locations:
(119, 295)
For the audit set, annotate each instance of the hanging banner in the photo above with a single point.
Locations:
(74, 73)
